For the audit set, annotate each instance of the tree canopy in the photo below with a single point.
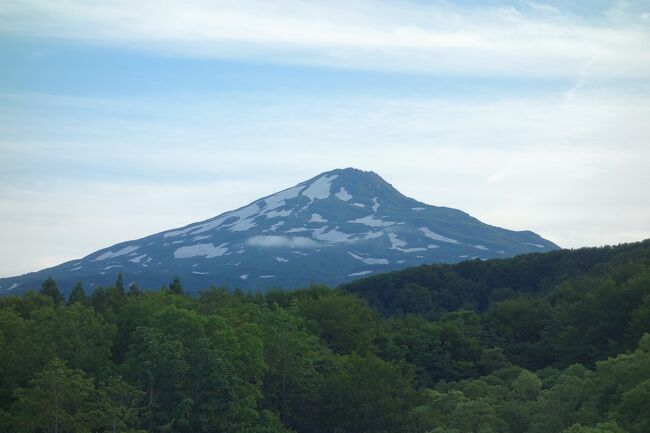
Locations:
(555, 343)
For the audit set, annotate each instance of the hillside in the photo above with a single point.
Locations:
(437, 288)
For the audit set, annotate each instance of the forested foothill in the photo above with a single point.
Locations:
(541, 343)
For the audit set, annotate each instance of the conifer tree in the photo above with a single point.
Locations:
(50, 289)
(176, 286)
(134, 290)
(78, 294)
(119, 283)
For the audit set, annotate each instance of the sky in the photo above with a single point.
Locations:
(119, 119)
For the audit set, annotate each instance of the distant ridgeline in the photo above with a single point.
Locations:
(540, 343)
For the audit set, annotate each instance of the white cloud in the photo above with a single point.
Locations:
(281, 241)
(544, 8)
(396, 35)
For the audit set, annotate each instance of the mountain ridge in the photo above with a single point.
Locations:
(336, 226)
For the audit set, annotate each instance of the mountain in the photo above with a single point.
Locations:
(331, 229)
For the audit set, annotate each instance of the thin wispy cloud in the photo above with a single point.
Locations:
(522, 39)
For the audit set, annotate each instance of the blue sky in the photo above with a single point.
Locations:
(119, 119)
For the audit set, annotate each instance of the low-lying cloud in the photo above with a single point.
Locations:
(281, 241)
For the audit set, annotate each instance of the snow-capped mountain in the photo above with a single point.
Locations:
(338, 226)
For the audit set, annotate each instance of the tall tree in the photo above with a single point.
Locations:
(78, 294)
(49, 288)
(119, 283)
(155, 363)
(134, 290)
(175, 286)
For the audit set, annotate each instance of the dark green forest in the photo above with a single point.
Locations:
(539, 343)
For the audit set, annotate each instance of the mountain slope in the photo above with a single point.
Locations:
(333, 228)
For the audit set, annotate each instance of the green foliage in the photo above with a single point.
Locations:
(175, 286)
(440, 351)
(134, 289)
(527, 386)
(609, 427)
(344, 322)
(555, 343)
(155, 365)
(60, 399)
(119, 283)
(121, 404)
(480, 283)
(78, 294)
(75, 334)
(365, 394)
(50, 289)
(57, 399)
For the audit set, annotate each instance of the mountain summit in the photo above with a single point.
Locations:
(337, 226)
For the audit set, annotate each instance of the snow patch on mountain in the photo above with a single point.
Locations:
(369, 261)
(122, 252)
(243, 225)
(333, 235)
(238, 220)
(277, 214)
(274, 227)
(317, 218)
(343, 194)
(437, 237)
(137, 259)
(372, 235)
(207, 250)
(280, 199)
(397, 244)
(534, 245)
(246, 218)
(320, 188)
(199, 228)
(371, 221)
(358, 274)
(172, 233)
